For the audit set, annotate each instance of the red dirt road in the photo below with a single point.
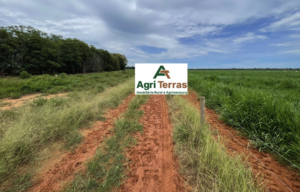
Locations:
(63, 169)
(233, 147)
(154, 167)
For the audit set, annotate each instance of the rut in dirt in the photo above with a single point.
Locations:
(61, 171)
(233, 147)
(153, 166)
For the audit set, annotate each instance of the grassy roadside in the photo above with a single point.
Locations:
(26, 130)
(204, 162)
(106, 170)
(15, 87)
(265, 104)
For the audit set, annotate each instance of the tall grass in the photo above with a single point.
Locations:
(203, 160)
(15, 87)
(25, 130)
(265, 104)
(106, 170)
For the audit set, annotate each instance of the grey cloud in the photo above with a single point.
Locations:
(122, 25)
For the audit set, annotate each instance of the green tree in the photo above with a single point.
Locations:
(28, 49)
(115, 62)
(107, 60)
(6, 52)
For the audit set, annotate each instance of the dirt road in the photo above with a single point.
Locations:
(154, 167)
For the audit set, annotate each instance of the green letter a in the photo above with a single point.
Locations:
(158, 72)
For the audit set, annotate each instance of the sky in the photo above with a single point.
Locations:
(202, 33)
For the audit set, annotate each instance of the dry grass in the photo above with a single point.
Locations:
(26, 130)
(204, 162)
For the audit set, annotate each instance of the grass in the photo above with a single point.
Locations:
(3, 104)
(15, 87)
(203, 160)
(24, 131)
(106, 171)
(265, 103)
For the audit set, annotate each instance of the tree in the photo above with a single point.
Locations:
(115, 62)
(25, 48)
(7, 51)
(122, 60)
(107, 60)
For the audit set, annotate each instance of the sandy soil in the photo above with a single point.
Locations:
(11, 103)
(233, 146)
(154, 167)
(62, 170)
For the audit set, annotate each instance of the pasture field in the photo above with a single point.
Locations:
(15, 87)
(26, 130)
(102, 137)
(265, 103)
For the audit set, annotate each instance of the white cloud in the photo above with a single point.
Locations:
(8, 13)
(249, 37)
(288, 44)
(295, 36)
(291, 22)
(294, 51)
(122, 25)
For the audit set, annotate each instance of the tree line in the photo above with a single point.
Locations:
(27, 49)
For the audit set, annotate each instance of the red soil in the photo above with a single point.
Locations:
(233, 147)
(154, 167)
(63, 169)
(11, 103)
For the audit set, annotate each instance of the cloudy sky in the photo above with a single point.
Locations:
(202, 33)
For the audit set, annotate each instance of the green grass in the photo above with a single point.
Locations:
(106, 171)
(24, 131)
(15, 87)
(267, 104)
(203, 160)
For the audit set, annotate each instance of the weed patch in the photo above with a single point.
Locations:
(25, 130)
(204, 162)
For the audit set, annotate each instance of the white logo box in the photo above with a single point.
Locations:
(145, 72)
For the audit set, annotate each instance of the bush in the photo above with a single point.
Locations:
(24, 75)
(63, 75)
(16, 95)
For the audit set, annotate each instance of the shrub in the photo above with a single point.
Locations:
(63, 75)
(24, 75)
(16, 95)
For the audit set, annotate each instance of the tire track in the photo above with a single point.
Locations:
(154, 167)
(168, 172)
(61, 171)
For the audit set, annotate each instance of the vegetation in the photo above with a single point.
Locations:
(265, 103)
(24, 75)
(28, 49)
(204, 162)
(15, 87)
(106, 171)
(24, 131)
